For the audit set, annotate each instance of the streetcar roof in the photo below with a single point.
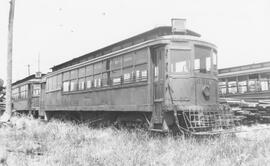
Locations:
(28, 78)
(148, 35)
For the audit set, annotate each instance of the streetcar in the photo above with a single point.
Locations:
(165, 79)
(26, 94)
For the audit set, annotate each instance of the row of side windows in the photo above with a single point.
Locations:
(127, 68)
(20, 92)
(245, 83)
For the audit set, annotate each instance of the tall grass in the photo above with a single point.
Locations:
(31, 142)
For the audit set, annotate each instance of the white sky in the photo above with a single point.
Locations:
(60, 30)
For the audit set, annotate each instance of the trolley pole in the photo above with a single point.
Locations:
(8, 111)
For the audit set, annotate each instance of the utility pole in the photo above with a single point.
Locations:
(8, 111)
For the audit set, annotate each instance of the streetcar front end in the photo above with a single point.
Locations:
(192, 87)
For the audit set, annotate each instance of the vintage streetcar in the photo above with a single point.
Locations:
(164, 79)
(246, 89)
(26, 95)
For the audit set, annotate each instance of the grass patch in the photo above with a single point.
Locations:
(31, 142)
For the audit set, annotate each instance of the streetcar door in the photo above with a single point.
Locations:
(158, 72)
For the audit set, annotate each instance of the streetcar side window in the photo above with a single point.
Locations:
(15, 93)
(265, 77)
(97, 80)
(232, 86)
(128, 74)
(66, 86)
(66, 77)
(59, 81)
(89, 82)
(36, 90)
(141, 72)
(180, 61)
(128, 60)
(116, 63)
(105, 78)
(222, 86)
(242, 84)
(253, 83)
(23, 91)
(116, 77)
(140, 56)
(89, 70)
(97, 68)
(81, 84)
(128, 68)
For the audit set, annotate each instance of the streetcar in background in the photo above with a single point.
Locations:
(246, 89)
(248, 82)
(26, 94)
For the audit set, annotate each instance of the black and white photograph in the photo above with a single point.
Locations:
(134, 83)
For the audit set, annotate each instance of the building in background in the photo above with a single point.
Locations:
(249, 82)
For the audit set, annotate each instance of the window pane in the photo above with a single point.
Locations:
(140, 56)
(203, 58)
(264, 85)
(180, 61)
(128, 60)
(141, 72)
(242, 84)
(222, 86)
(265, 77)
(97, 80)
(81, 72)
(66, 76)
(54, 82)
(116, 62)
(232, 88)
(97, 68)
(59, 81)
(81, 83)
(116, 77)
(73, 85)
(128, 74)
(89, 81)
(106, 65)
(36, 90)
(105, 77)
(253, 83)
(74, 74)
(89, 70)
(66, 86)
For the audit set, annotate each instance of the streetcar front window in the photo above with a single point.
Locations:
(202, 61)
(180, 61)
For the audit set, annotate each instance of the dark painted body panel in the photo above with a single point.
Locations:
(133, 98)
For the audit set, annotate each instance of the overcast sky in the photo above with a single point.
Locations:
(60, 30)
